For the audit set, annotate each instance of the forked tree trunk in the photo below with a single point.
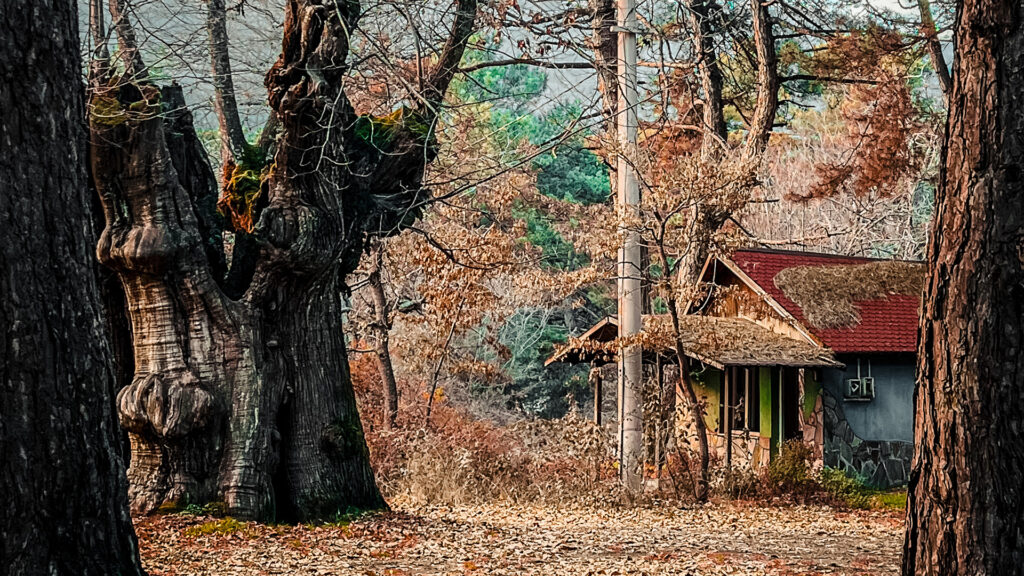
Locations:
(707, 217)
(966, 508)
(64, 507)
(244, 395)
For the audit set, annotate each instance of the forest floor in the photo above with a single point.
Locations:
(499, 539)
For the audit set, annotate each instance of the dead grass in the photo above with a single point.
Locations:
(828, 295)
(459, 459)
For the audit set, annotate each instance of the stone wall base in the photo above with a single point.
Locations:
(878, 463)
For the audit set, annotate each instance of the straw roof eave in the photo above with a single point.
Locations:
(718, 342)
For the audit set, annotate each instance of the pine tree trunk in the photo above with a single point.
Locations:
(702, 16)
(966, 508)
(604, 43)
(767, 104)
(64, 507)
(934, 47)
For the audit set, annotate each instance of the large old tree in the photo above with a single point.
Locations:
(241, 389)
(966, 511)
(64, 508)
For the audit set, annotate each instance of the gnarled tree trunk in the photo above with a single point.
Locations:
(966, 506)
(244, 395)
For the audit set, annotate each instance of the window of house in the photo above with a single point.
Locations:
(744, 398)
(859, 387)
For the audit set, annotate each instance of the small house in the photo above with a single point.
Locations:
(796, 345)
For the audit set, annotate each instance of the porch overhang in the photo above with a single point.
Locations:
(717, 342)
(593, 346)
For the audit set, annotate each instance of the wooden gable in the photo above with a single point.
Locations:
(732, 294)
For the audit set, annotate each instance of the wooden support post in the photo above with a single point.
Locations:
(730, 377)
(659, 425)
(747, 397)
(782, 405)
(595, 380)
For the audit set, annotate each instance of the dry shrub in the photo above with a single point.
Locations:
(790, 471)
(681, 471)
(738, 484)
(828, 295)
(458, 459)
(454, 460)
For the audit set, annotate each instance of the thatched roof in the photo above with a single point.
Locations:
(829, 295)
(718, 342)
(868, 305)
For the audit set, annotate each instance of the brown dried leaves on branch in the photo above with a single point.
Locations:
(879, 114)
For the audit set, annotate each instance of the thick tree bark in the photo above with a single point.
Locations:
(767, 105)
(604, 43)
(702, 30)
(64, 508)
(241, 390)
(381, 328)
(185, 337)
(966, 508)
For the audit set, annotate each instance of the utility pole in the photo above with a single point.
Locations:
(630, 369)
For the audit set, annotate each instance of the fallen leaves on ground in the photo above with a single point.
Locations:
(499, 539)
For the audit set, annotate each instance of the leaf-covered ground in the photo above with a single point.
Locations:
(498, 539)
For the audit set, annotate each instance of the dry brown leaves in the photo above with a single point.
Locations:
(721, 539)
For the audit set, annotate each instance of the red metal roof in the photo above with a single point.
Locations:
(886, 325)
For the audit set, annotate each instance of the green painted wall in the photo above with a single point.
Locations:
(811, 390)
(708, 385)
(765, 402)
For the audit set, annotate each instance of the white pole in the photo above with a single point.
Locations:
(629, 272)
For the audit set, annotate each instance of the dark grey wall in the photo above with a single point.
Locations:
(890, 416)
